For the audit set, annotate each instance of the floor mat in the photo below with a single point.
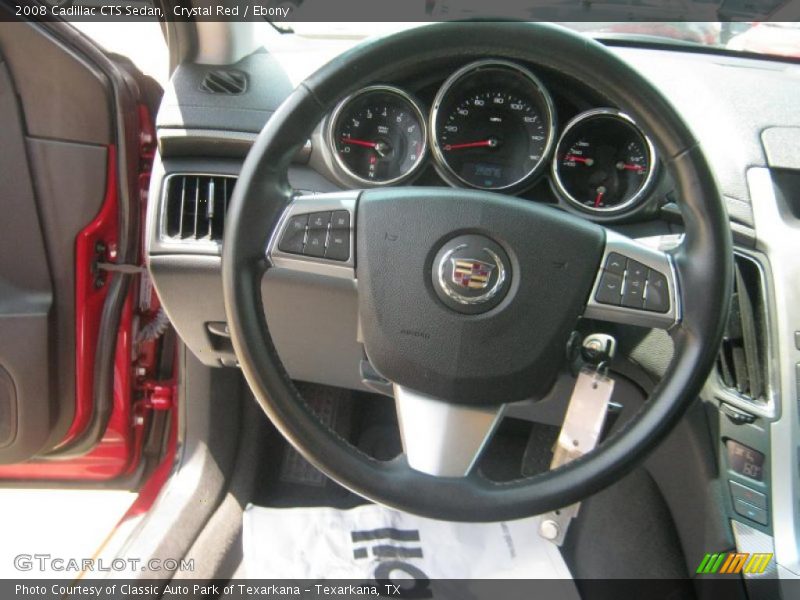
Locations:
(332, 408)
(367, 541)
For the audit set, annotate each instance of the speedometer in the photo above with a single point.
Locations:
(492, 125)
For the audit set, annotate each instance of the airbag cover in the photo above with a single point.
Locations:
(510, 351)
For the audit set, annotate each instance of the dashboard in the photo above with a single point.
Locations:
(495, 125)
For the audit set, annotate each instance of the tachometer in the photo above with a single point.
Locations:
(492, 125)
(603, 162)
(378, 135)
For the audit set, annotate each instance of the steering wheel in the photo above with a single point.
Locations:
(454, 354)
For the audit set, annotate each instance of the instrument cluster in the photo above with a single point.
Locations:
(492, 126)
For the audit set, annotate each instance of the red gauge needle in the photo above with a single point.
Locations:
(625, 166)
(580, 159)
(491, 142)
(349, 140)
(599, 198)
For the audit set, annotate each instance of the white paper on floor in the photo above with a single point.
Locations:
(362, 543)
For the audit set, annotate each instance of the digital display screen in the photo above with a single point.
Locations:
(483, 173)
(745, 461)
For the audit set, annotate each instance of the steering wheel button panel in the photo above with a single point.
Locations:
(628, 283)
(315, 235)
(635, 285)
(320, 234)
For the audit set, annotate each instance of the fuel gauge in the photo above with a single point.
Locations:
(603, 162)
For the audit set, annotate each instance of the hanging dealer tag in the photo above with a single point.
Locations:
(580, 433)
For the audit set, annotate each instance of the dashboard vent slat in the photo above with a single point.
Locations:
(741, 364)
(210, 208)
(224, 81)
(195, 206)
(182, 210)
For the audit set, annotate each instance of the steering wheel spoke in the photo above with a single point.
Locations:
(635, 285)
(442, 438)
(316, 234)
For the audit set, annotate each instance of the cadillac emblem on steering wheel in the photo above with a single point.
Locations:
(471, 274)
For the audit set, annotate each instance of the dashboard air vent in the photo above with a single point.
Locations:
(742, 361)
(228, 82)
(195, 206)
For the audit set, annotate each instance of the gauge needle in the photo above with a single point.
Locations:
(599, 198)
(625, 166)
(382, 148)
(365, 143)
(581, 159)
(491, 143)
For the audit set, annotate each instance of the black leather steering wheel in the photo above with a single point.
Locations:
(454, 367)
